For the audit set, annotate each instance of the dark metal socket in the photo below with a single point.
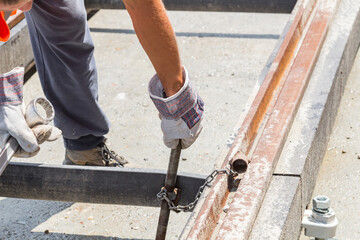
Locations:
(239, 163)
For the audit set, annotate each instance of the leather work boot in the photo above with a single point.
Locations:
(98, 156)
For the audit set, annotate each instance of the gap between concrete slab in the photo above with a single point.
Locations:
(283, 196)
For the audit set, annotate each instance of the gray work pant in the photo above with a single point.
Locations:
(63, 51)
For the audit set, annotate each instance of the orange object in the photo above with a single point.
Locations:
(4, 28)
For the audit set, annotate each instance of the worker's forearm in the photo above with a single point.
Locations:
(157, 37)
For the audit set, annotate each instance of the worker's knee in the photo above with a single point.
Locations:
(60, 23)
(76, 14)
(67, 12)
(70, 21)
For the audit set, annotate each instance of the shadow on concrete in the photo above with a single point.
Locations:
(190, 34)
(18, 218)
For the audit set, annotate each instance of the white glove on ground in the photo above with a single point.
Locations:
(181, 114)
(12, 120)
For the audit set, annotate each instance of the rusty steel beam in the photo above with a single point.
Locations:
(248, 198)
(262, 6)
(208, 213)
(262, 106)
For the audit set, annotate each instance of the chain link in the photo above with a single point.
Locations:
(163, 194)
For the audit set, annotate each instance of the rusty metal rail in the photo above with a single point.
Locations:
(249, 196)
(207, 214)
(268, 121)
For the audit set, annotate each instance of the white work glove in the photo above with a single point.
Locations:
(12, 119)
(181, 114)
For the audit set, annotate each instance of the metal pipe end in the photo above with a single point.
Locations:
(239, 163)
(39, 111)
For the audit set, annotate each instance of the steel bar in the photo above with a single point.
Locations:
(262, 105)
(92, 184)
(7, 153)
(17, 50)
(263, 6)
(170, 183)
(248, 198)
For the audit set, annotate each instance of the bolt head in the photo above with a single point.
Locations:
(321, 202)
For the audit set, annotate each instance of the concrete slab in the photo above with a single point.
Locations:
(284, 197)
(339, 174)
(307, 141)
(224, 52)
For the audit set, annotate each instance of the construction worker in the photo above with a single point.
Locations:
(63, 52)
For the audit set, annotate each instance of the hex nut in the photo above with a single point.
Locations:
(321, 202)
(323, 217)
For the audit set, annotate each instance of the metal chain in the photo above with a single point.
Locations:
(109, 155)
(163, 194)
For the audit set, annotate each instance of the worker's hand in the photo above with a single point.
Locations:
(12, 119)
(181, 114)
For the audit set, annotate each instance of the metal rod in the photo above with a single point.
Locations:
(263, 6)
(169, 186)
(7, 153)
